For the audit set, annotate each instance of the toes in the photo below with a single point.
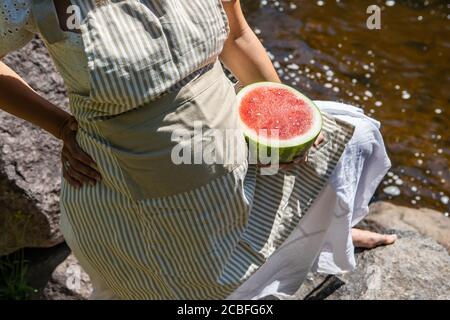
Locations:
(369, 240)
(390, 239)
(383, 240)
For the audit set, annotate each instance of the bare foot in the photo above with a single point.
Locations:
(370, 240)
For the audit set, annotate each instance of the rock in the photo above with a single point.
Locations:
(318, 287)
(68, 282)
(415, 267)
(424, 221)
(41, 263)
(29, 162)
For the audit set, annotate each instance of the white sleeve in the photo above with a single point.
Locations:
(15, 25)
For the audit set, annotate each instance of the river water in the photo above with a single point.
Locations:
(399, 74)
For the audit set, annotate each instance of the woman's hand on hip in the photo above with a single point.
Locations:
(78, 167)
(20, 100)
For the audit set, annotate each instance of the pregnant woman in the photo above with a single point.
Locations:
(144, 227)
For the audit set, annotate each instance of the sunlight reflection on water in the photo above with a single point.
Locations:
(399, 75)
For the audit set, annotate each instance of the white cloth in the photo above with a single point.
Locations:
(322, 241)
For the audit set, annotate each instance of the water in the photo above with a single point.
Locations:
(399, 75)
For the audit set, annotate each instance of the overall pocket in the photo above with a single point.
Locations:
(196, 31)
(128, 55)
(163, 149)
(193, 26)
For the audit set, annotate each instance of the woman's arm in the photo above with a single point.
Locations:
(245, 56)
(243, 53)
(20, 100)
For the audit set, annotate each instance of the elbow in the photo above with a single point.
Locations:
(241, 33)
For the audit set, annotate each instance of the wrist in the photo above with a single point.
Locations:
(67, 121)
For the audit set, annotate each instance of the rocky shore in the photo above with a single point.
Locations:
(416, 267)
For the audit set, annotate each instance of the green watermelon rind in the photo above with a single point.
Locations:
(289, 153)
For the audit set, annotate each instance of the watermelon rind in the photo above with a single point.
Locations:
(287, 150)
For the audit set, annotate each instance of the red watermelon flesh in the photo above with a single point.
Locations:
(267, 108)
(278, 120)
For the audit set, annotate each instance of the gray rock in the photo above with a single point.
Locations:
(415, 267)
(41, 263)
(68, 282)
(427, 222)
(29, 162)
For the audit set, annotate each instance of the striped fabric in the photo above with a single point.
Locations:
(172, 40)
(198, 244)
(201, 244)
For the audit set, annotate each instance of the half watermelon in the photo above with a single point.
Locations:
(276, 117)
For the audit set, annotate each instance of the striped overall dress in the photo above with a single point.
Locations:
(153, 229)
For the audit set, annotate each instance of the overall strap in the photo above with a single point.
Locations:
(46, 20)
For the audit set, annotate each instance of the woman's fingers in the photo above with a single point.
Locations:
(85, 165)
(79, 154)
(71, 180)
(319, 140)
(79, 170)
(82, 178)
(75, 151)
(83, 172)
(71, 144)
(302, 158)
(78, 167)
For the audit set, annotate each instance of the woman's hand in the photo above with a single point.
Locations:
(78, 167)
(302, 158)
(20, 100)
